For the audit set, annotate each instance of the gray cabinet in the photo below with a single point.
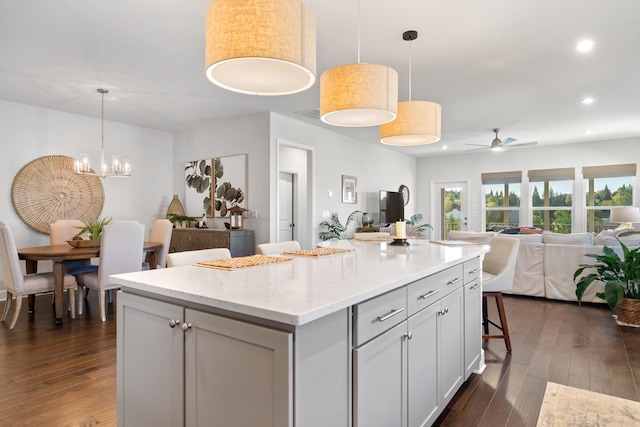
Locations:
(212, 368)
(408, 370)
(239, 242)
(472, 317)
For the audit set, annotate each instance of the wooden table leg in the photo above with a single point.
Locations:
(58, 290)
(31, 267)
(151, 259)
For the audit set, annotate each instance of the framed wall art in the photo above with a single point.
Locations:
(349, 189)
(230, 184)
(197, 179)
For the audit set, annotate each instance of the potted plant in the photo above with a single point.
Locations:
(334, 228)
(621, 278)
(94, 229)
(415, 220)
(180, 221)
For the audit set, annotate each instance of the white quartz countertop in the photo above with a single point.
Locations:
(307, 288)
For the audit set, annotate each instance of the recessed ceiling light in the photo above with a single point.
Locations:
(588, 100)
(444, 147)
(584, 46)
(587, 132)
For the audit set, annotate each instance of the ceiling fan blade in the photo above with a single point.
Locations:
(479, 145)
(477, 149)
(508, 141)
(524, 144)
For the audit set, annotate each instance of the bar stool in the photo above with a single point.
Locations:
(498, 269)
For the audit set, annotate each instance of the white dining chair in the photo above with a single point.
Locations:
(498, 269)
(18, 285)
(161, 231)
(277, 248)
(121, 244)
(177, 259)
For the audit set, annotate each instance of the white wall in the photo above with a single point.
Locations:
(27, 133)
(237, 135)
(470, 166)
(376, 168)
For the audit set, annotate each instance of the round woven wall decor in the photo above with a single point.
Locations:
(47, 189)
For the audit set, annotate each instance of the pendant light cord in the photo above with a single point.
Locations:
(410, 78)
(358, 31)
(102, 116)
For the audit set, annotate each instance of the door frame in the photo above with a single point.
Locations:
(304, 207)
(435, 203)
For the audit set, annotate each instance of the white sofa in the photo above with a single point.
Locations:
(546, 262)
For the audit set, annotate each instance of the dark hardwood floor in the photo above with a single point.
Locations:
(66, 376)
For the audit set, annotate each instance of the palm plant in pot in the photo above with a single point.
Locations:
(621, 278)
(333, 228)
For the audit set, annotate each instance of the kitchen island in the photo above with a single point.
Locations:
(383, 335)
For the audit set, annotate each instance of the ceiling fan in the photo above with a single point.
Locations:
(497, 144)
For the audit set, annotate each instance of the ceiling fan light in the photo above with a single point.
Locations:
(418, 123)
(358, 95)
(261, 47)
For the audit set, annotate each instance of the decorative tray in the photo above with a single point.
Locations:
(84, 243)
(242, 262)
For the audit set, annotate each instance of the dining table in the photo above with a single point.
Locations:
(58, 254)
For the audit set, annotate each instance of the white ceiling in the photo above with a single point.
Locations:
(492, 63)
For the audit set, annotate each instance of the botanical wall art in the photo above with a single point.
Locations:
(230, 183)
(197, 177)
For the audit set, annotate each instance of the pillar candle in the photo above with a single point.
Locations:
(401, 230)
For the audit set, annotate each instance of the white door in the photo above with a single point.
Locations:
(451, 210)
(285, 221)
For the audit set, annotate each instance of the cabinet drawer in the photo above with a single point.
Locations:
(472, 270)
(373, 317)
(425, 292)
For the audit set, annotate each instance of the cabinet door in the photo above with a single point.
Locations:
(451, 345)
(150, 358)
(379, 386)
(472, 327)
(180, 240)
(237, 374)
(422, 379)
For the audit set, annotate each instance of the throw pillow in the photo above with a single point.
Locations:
(567, 239)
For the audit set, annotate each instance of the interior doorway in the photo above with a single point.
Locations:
(294, 195)
(451, 208)
(286, 215)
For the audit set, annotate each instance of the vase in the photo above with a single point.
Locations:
(175, 206)
(628, 312)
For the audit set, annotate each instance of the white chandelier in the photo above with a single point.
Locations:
(119, 167)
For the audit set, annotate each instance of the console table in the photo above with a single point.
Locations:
(239, 242)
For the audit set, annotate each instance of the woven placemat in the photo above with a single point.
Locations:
(318, 252)
(242, 262)
(46, 189)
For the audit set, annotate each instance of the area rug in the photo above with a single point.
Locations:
(565, 406)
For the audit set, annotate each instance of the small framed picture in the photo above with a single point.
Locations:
(349, 189)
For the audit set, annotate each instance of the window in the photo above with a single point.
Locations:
(502, 199)
(552, 199)
(606, 186)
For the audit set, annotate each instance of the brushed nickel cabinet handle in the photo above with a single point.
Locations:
(390, 314)
(456, 280)
(429, 294)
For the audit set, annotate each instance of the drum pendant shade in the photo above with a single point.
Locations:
(261, 47)
(418, 123)
(358, 95)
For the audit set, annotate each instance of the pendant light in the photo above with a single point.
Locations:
(119, 167)
(358, 95)
(418, 122)
(261, 47)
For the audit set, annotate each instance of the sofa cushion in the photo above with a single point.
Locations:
(525, 238)
(630, 240)
(471, 236)
(567, 239)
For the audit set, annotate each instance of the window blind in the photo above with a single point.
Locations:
(560, 174)
(609, 171)
(501, 177)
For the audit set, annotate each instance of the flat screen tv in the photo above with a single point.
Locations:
(391, 207)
